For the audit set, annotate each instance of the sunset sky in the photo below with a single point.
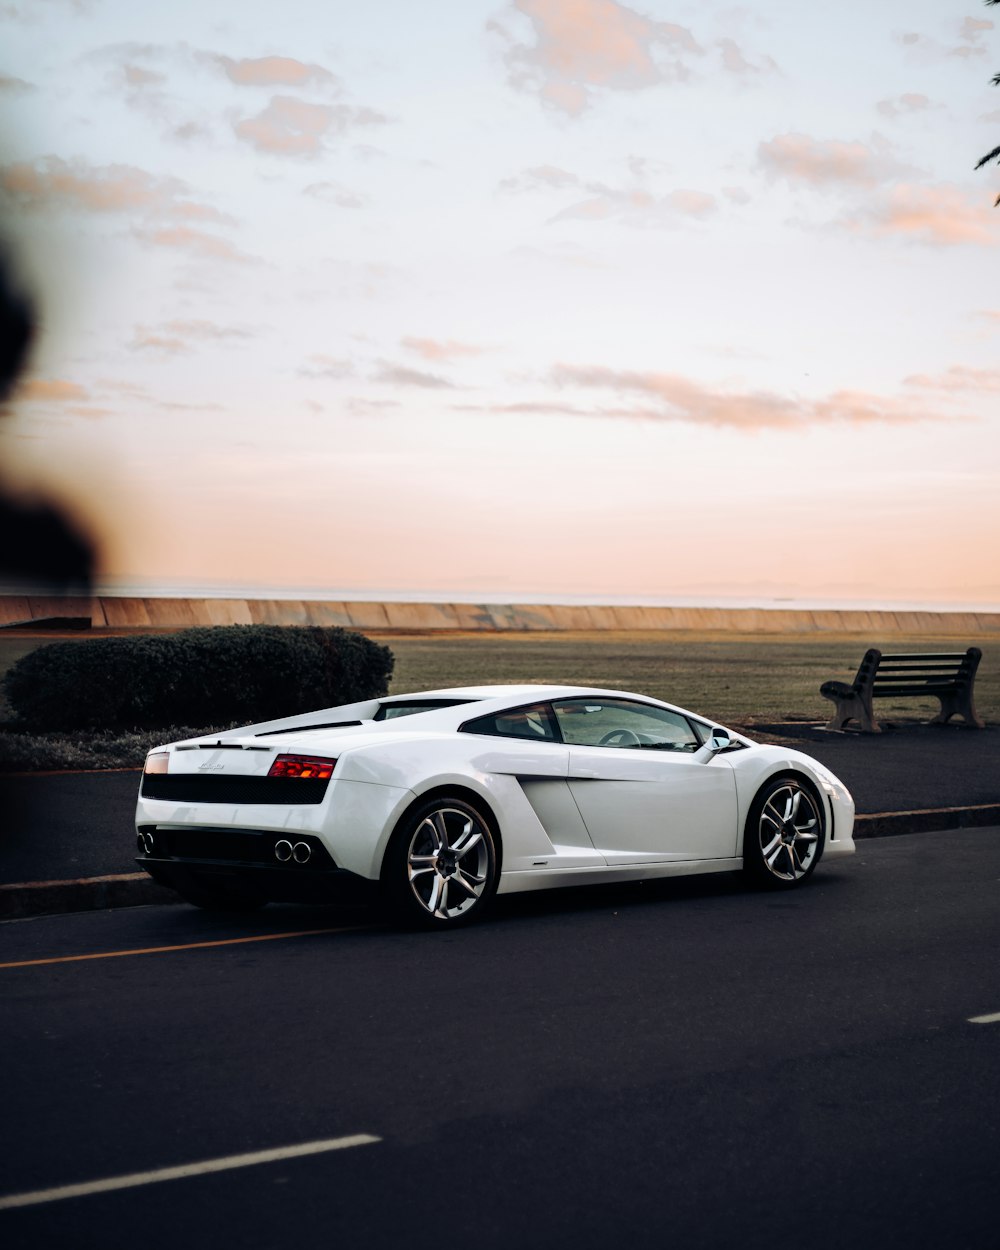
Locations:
(530, 300)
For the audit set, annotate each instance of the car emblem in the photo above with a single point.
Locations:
(211, 768)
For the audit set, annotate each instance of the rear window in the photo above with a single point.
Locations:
(410, 707)
(533, 721)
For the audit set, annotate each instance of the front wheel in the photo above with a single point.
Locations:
(784, 834)
(441, 867)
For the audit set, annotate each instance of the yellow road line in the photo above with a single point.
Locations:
(187, 946)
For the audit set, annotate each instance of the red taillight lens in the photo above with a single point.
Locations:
(157, 762)
(302, 766)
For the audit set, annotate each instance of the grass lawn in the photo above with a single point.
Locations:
(739, 680)
(732, 678)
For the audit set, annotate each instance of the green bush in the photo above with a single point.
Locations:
(210, 676)
(86, 749)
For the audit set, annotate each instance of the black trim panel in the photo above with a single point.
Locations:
(234, 788)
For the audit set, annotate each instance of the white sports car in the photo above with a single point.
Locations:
(447, 797)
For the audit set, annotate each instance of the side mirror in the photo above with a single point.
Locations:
(719, 740)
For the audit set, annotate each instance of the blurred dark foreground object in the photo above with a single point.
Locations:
(39, 546)
(16, 327)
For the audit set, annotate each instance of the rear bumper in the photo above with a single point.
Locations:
(275, 883)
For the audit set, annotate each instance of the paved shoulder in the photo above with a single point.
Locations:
(66, 825)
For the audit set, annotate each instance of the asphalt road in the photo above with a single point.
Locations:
(683, 1063)
(59, 826)
(70, 825)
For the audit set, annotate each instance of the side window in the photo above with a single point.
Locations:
(601, 722)
(533, 722)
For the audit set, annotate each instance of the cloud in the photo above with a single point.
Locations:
(633, 206)
(365, 407)
(336, 193)
(670, 397)
(141, 74)
(973, 27)
(198, 243)
(539, 178)
(289, 126)
(14, 86)
(52, 183)
(826, 162)
(175, 338)
(530, 408)
(129, 390)
(52, 390)
(28, 12)
(582, 46)
(209, 331)
(275, 71)
(734, 62)
(930, 51)
(941, 216)
(642, 167)
(989, 314)
(368, 152)
(145, 339)
(638, 207)
(435, 349)
(905, 105)
(136, 76)
(401, 375)
(172, 406)
(959, 379)
(92, 412)
(323, 366)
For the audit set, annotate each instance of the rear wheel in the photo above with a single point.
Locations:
(441, 867)
(784, 834)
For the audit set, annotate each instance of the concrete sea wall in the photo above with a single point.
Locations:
(107, 611)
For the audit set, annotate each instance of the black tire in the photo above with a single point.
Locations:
(440, 870)
(784, 834)
(219, 895)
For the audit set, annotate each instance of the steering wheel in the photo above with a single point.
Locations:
(620, 738)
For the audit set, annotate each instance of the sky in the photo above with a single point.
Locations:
(526, 300)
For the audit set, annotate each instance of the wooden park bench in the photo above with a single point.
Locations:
(947, 677)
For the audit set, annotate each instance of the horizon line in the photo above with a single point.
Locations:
(728, 602)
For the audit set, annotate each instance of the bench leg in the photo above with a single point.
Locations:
(958, 703)
(853, 706)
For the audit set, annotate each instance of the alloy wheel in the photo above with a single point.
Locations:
(789, 831)
(448, 862)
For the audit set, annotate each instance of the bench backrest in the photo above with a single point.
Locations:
(926, 669)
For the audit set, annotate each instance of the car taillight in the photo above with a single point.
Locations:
(315, 766)
(156, 762)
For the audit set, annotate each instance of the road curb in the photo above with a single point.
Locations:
(928, 820)
(48, 898)
(137, 889)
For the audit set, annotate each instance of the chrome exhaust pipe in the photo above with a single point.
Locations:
(144, 841)
(301, 852)
(283, 851)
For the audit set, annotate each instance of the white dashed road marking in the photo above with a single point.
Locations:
(187, 1169)
(990, 1019)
